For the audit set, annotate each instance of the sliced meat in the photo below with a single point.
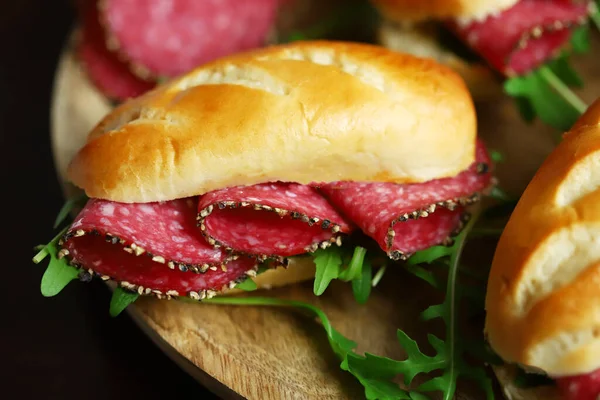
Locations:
(110, 75)
(582, 387)
(169, 38)
(272, 220)
(525, 36)
(98, 257)
(163, 232)
(411, 217)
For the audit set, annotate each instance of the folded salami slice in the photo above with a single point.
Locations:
(411, 217)
(109, 74)
(168, 38)
(581, 387)
(525, 36)
(270, 220)
(164, 233)
(140, 274)
(134, 244)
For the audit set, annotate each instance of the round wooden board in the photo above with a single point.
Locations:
(271, 353)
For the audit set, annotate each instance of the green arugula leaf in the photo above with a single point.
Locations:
(431, 254)
(120, 300)
(361, 286)
(496, 156)
(580, 40)
(565, 72)
(328, 265)
(248, 285)
(551, 99)
(59, 273)
(355, 266)
(75, 202)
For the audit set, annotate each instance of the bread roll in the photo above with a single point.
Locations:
(303, 112)
(543, 299)
(419, 10)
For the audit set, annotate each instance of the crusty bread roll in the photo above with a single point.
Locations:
(419, 10)
(303, 112)
(420, 40)
(543, 299)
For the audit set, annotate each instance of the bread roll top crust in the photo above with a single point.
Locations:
(420, 10)
(543, 300)
(304, 112)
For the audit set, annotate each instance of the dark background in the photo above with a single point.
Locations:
(64, 347)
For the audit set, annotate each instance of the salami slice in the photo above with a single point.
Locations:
(272, 220)
(163, 232)
(411, 217)
(525, 36)
(109, 74)
(98, 257)
(581, 387)
(168, 38)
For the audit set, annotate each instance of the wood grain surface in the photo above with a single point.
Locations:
(274, 353)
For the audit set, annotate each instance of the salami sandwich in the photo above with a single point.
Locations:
(513, 37)
(265, 157)
(543, 299)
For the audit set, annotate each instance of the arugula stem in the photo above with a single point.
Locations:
(43, 253)
(378, 275)
(563, 90)
(452, 297)
(595, 17)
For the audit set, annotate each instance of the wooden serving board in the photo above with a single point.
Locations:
(273, 353)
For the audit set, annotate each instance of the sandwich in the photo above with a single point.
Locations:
(543, 297)
(259, 165)
(487, 40)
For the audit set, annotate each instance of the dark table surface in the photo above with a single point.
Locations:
(65, 347)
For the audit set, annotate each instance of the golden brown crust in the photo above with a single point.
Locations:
(543, 301)
(303, 112)
(418, 10)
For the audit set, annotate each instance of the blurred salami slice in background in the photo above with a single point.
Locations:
(411, 217)
(270, 220)
(525, 36)
(166, 38)
(109, 74)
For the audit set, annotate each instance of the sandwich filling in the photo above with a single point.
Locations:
(202, 245)
(525, 36)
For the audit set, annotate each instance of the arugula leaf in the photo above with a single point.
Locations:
(361, 286)
(59, 273)
(496, 156)
(580, 39)
(431, 254)
(120, 300)
(69, 205)
(355, 266)
(328, 265)
(248, 285)
(544, 93)
(565, 72)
